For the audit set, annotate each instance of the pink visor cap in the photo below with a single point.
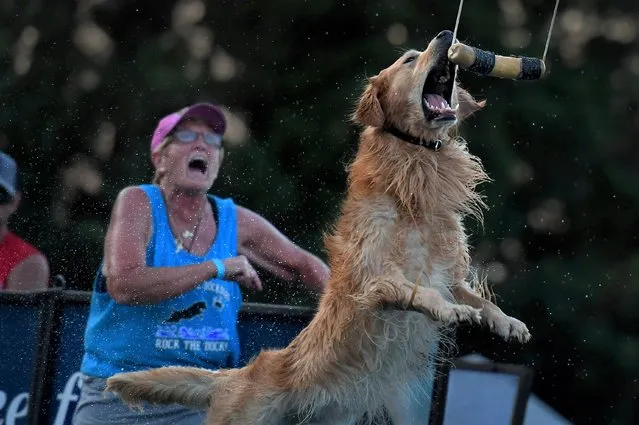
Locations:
(207, 112)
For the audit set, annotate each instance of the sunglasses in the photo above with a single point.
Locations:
(190, 136)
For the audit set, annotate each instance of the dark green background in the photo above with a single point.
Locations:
(559, 243)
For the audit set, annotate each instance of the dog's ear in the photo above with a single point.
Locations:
(467, 104)
(369, 110)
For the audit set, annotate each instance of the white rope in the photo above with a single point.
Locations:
(461, 5)
(552, 23)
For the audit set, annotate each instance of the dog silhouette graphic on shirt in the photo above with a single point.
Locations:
(190, 312)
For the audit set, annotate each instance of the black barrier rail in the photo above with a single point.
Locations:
(40, 399)
(262, 326)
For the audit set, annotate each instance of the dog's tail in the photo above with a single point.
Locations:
(188, 386)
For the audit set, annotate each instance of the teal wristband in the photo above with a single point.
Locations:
(221, 270)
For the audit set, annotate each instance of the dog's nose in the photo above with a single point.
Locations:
(446, 35)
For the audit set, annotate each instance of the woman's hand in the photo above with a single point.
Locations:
(238, 269)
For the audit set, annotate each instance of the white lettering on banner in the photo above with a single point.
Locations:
(67, 396)
(17, 408)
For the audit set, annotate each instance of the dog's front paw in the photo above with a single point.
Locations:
(507, 327)
(452, 314)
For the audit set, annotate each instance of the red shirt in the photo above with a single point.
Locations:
(13, 251)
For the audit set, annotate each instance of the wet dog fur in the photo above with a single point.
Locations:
(399, 261)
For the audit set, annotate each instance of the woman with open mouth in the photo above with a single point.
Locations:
(168, 291)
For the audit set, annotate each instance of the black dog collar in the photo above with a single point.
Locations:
(430, 144)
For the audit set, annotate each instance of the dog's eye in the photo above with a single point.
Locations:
(409, 59)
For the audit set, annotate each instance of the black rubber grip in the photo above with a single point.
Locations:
(530, 69)
(484, 62)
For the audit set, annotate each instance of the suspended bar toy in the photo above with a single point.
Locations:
(487, 63)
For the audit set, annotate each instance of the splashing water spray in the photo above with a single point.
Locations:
(487, 63)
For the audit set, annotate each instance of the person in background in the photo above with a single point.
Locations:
(22, 266)
(175, 260)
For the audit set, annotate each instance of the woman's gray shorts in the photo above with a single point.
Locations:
(96, 407)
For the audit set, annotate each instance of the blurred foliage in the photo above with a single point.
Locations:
(84, 82)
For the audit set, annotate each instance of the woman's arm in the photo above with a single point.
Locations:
(129, 280)
(268, 248)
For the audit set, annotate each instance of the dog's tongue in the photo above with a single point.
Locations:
(436, 101)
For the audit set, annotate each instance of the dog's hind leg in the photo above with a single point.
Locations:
(408, 412)
(412, 408)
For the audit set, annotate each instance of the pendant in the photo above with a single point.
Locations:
(187, 234)
(180, 247)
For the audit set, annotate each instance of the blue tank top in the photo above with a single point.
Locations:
(197, 328)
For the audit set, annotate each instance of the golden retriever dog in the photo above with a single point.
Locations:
(399, 261)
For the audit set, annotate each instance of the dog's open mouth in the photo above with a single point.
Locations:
(438, 91)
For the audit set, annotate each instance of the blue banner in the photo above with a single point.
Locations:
(18, 342)
(261, 327)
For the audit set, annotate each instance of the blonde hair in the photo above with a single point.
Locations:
(157, 176)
